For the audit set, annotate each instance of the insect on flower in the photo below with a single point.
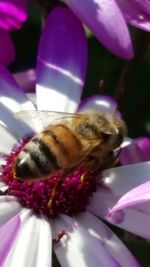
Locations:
(68, 140)
(60, 235)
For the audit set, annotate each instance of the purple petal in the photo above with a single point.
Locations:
(137, 151)
(9, 208)
(34, 243)
(126, 219)
(106, 21)
(12, 13)
(102, 103)
(61, 64)
(143, 4)
(7, 51)
(134, 15)
(8, 234)
(138, 195)
(26, 80)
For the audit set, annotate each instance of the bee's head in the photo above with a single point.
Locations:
(112, 129)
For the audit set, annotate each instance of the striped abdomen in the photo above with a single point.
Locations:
(55, 148)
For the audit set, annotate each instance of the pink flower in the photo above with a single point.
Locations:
(86, 240)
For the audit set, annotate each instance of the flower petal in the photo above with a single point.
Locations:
(126, 219)
(61, 68)
(33, 244)
(8, 234)
(135, 152)
(78, 247)
(12, 13)
(143, 4)
(26, 80)
(122, 179)
(10, 94)
(134, 15)
(9, 207)
(138, 195)
(102, 103)
(110, 241)
(117, 182)
(12, 100)
(8, 141)
(7, 51)
(2, 185)
(106, 21)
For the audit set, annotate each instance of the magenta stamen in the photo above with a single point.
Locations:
(71, 197)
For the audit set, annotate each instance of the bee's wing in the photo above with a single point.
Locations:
(43, 118)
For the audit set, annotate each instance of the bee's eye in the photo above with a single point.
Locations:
(85, 128)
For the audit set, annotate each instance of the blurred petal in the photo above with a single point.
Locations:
(9, 139)
(33, 244)
(12, 13)
(2, 185)
(7, 51)
(138, 195)
(8, 234)
(137, 151)
(110, 241)
(143, 4)
(134, 15)
(9, 208)
(106, 21)
(102, 103)
(26, 80)
(78, 247)
(61, 64)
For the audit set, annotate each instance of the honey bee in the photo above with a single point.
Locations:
(67, 141)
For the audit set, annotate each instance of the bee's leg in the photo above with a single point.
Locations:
(93, 165)
(55, 189)
(59, 236)
(113, 160)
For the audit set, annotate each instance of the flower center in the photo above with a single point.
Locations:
(57, 194)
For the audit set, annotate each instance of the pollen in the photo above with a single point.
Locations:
(56, 194)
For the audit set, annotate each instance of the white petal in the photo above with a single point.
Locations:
(78, 248)
(103, 103)
(33, 244)
(132, 220)
(122, 179)
(110, 241)
(12, 100)
(8, 140)
(9, 207)
(10, 94)
(1, 185)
